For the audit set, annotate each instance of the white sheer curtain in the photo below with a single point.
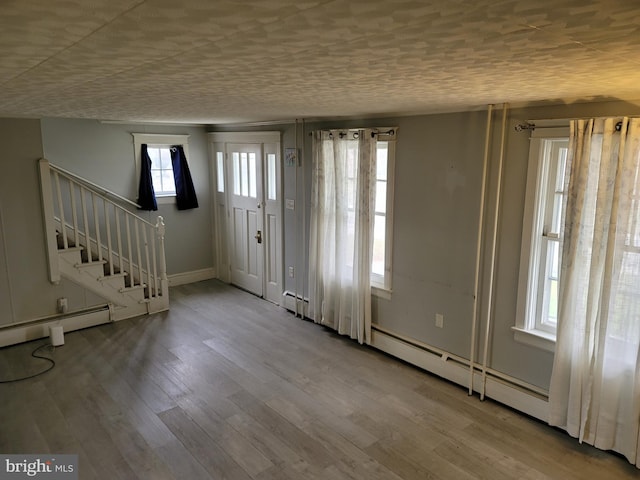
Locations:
(341, 231)
(595, 385)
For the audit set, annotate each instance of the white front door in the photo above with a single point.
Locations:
(248, 199)
(244, 167)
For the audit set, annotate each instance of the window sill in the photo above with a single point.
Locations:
(381, 292)
(535, 338)
(165, 199)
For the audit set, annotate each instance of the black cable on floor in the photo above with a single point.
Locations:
(33, 354)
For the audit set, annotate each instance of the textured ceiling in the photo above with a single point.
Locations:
(203, 61)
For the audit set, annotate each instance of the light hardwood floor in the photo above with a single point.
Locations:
(227, 386)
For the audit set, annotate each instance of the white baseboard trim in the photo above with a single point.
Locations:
(40, 329)
(499, 389)
(191, 277)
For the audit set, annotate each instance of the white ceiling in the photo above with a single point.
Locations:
(204, 61)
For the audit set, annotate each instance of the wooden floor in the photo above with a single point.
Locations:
(227, 386)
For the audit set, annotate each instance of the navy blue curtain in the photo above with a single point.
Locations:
(185, 193)
(146, 195)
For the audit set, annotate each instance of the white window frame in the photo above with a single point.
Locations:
(158, 140)
(381, 284)
(528, 327)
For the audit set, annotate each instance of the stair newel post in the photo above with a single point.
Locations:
(164, 284)
(49, 220)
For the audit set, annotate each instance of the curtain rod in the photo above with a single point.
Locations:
(532, 126)
(356, 133)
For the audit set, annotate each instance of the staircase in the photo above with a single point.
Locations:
(95, 240)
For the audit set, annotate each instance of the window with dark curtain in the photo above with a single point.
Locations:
(185, 192)
(146, 194)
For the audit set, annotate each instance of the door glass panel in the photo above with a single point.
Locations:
(236, 173)
(252, 175)
(271, 176)
(244, 174)
(220, 171)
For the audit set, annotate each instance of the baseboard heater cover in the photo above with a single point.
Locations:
(290, 303)
(500, 389)
(33, 330)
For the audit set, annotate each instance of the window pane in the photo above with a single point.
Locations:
(236, 173)
(165, 158)
(381, 197)
(220, 171)
(562, 162)
(381, 160)
(552, 316)
(377, 263)
(550, 305)
(554, 253)
(558, 177)
(557, 213)
(244, 176)
(352, 154)
(252, 175)
(168, 182)
(271, 176)
(351, 194)
(156, 178)
(154, 155)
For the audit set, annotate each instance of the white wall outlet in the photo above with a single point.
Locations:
(291, 272)
(290, 204)
(439, 320)
(63, 305)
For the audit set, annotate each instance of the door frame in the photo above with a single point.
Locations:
(270, 142)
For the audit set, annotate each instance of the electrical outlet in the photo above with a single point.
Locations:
(439, 320)
(291, 272)
(63, 305)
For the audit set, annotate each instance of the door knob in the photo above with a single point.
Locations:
(258, 236)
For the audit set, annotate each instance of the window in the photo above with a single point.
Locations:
(158, 147)
(537, 311)
(383, 224)
(383, 227)
(220, 171)
(271, 177)
(161, 170)
(245, 174)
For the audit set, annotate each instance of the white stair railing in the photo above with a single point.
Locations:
(81, 214)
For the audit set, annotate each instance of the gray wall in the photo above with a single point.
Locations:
(103, 153)
(436, 211)
(25, 291)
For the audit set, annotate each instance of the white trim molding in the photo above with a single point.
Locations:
(245, 137)
(183, 278)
